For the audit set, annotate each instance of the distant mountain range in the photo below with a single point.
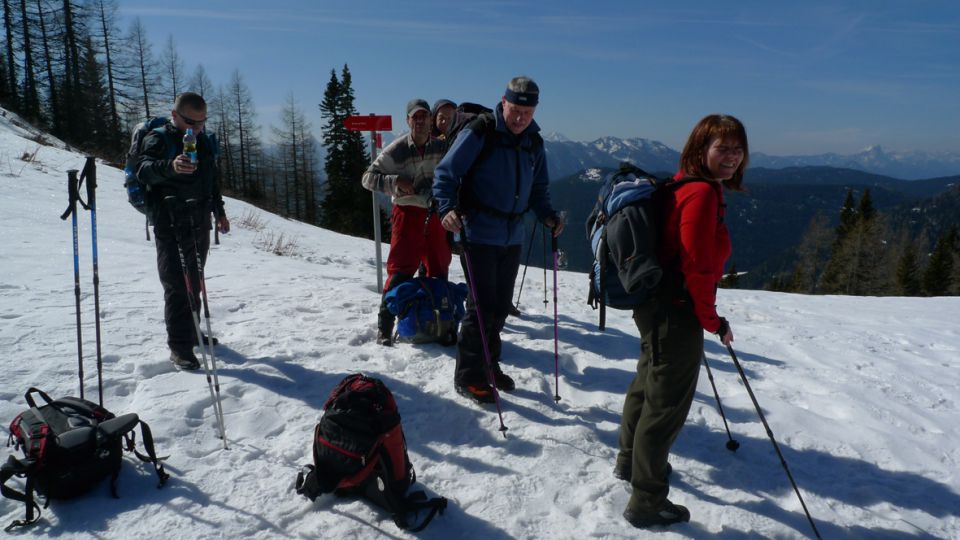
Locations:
(566, 157)
(768, 221)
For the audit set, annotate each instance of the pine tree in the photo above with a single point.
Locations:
(812, 255)
(30, 107)
(105, 13)
(242, 138)
(93, 98)
(860, 259)
(346, 204)
(74, 124)
(200, 83)
(954, 242)
(171, 65)
(142, 62)
(937, 277)
(296, 153)
(848, 217)
(865, 210)
(908, 272)
(56, 122)
(12, 99)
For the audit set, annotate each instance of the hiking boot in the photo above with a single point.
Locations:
(504, 381)
(514, 312)
(207, 340)
(667, 514)
(481, 393)
(184, 359)
(384, 338)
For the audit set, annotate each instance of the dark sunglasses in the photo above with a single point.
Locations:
(190, 121)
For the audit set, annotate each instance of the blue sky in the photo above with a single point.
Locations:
(804, 77)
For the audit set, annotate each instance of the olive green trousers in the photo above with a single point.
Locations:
(659, 398)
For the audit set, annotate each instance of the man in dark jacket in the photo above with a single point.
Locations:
(495, 171)
(181, 194)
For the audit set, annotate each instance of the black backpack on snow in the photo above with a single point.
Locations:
(359, 449)
(624, 234)
(69, 446)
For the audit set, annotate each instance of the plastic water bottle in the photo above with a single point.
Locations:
(190, 145)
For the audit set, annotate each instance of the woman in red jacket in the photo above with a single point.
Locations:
(695, 246)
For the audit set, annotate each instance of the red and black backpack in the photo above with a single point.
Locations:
(69, 445)
(359, 449)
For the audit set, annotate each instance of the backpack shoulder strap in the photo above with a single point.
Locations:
(415, 502)
(151, 456)
(15, 467)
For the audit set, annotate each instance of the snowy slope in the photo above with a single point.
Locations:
(860, 393)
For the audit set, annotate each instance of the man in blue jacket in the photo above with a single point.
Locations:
(495, 171)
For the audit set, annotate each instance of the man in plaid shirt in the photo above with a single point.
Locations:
(404, 170)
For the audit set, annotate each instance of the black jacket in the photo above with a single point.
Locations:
(158, 150)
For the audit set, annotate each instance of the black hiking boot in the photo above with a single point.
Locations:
(514, 312)
(184, 359)
(384, 338)
(207, 340)
(481, 393)
(667, 514)
(504, 381)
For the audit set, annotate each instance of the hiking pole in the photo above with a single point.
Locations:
(732, 445)
(73, 191)
(90, 174)
(218, 406)
(171, 202)
(556, 323)
(544, 267)
(526, 265)
(776, 447)
(472, 289)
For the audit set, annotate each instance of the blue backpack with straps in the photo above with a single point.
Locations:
(428, 310)
(624, 234)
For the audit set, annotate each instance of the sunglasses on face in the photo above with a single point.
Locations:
(190, 121)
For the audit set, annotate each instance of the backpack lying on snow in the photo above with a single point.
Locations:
(428, 310)
(359, 449)
(69, 446)
(624, 234)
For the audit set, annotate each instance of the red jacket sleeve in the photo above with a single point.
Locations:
(704, 247)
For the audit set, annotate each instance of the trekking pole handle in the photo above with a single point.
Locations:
(72, 192)
(90, 175)
(172, 204)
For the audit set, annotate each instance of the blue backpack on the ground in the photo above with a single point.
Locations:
(427, 309)
(624, 232)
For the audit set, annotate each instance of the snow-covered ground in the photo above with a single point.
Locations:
(861, 393)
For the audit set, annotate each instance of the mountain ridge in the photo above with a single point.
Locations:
(566, 157)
